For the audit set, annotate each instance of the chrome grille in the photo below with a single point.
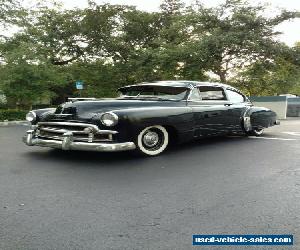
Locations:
(81, 131)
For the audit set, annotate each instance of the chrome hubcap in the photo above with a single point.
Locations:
(150, 139)
(259, 131)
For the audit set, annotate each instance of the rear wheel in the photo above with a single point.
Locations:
(152, 140)
(256, 132)
(249, 130)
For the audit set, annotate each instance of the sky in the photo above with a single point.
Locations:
(290, 29)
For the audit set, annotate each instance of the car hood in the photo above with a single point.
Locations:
(86, 110)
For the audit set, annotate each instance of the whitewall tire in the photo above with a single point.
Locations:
(249, 130)
(256, 132)
(152, 140)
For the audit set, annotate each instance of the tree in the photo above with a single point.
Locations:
(234, 35)
(108, 46)
(270, 78)
(25, 75)
(278, 76)
(8, 11)
(57, 35)
(24, 84)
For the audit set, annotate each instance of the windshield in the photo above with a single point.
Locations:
(154, 92)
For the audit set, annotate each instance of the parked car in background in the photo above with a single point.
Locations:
(147, 117)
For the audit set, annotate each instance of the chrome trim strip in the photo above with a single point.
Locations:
(247, 126)
(81, 99)
(104, 132)
(79, 124)
(94, 127)
(62, 131)
(63, 115)
(60, 138)
(69, 144)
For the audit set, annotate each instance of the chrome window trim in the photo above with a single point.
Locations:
(189, 96)
(211, 102)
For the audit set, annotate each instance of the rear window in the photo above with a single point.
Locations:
(212, 93)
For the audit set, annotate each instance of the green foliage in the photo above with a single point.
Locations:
(12, 115)
(8, 10)
(270, 78)
(108, 46)
(234, 35)
(280, 75)
(25, 77)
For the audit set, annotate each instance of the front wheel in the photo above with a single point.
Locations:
(152, 140)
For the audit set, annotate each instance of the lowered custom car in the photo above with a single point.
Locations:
(147, 117)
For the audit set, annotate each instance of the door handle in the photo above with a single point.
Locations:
(228, 104)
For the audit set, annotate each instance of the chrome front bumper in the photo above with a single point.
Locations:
(68, 144)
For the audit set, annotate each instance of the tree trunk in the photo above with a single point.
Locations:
(222, 75)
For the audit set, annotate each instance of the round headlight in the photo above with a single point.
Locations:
(31, 116)
(109, 119)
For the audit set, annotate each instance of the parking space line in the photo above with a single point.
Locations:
(292, 133)
(272, 138)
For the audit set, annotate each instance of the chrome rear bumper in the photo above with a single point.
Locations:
(67, 143)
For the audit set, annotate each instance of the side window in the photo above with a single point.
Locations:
(234, 96)
(212, 93)
(195, 95)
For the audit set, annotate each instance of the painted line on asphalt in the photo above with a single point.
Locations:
(272, 138)
(292, 133)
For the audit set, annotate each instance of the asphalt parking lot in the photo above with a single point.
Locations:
(52, 199)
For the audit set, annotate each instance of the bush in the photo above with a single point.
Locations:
(12, 115)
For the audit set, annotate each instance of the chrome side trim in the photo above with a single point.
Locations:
(63, 115)
(247, 123)
(73, 99)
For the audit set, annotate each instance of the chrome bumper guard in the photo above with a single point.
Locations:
(67, 143)
(277, 122)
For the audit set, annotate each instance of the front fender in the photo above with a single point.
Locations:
(42, 113)
(132, 121)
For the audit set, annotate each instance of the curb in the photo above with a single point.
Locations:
(8, 123)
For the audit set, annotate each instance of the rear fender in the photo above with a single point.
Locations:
(260, 117)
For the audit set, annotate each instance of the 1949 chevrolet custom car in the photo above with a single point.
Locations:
(147, 116)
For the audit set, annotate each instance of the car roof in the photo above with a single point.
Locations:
(179, 83)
